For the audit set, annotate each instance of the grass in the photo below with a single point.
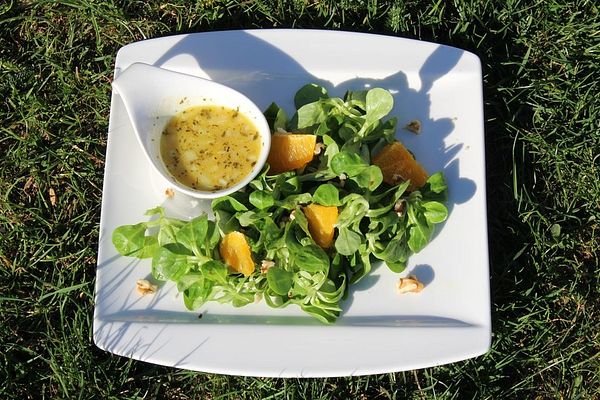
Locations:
(541, 63)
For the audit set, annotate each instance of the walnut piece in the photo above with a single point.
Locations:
(409, 285)
(318, 148)
(265, 265)
(144, 287)
(414, 126)
(400, 207)
(53, 197)
(169, 193)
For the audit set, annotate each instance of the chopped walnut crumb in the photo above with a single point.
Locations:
(169, 193)
(343, 178)
(265, 265)
(399, 207)
(53, 197)
(410, 285)
(414, 126)
(293, 215)
(318, 148)
(144, 287)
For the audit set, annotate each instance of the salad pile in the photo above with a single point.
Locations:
(374, 220)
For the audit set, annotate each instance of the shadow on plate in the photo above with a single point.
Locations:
(180, 317)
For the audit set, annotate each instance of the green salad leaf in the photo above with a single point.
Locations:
(375, 220)
(327, 195)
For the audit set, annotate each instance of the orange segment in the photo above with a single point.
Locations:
(234, 249)
(321, 223)
(386, 155)
(398, 165)
(290, 152)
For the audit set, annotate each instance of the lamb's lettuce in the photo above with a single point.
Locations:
(375, 222)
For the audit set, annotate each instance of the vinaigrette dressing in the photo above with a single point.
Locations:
(210, 147)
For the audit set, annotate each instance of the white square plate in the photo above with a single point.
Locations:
(380, 330)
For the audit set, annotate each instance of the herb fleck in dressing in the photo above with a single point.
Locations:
(210, 147)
